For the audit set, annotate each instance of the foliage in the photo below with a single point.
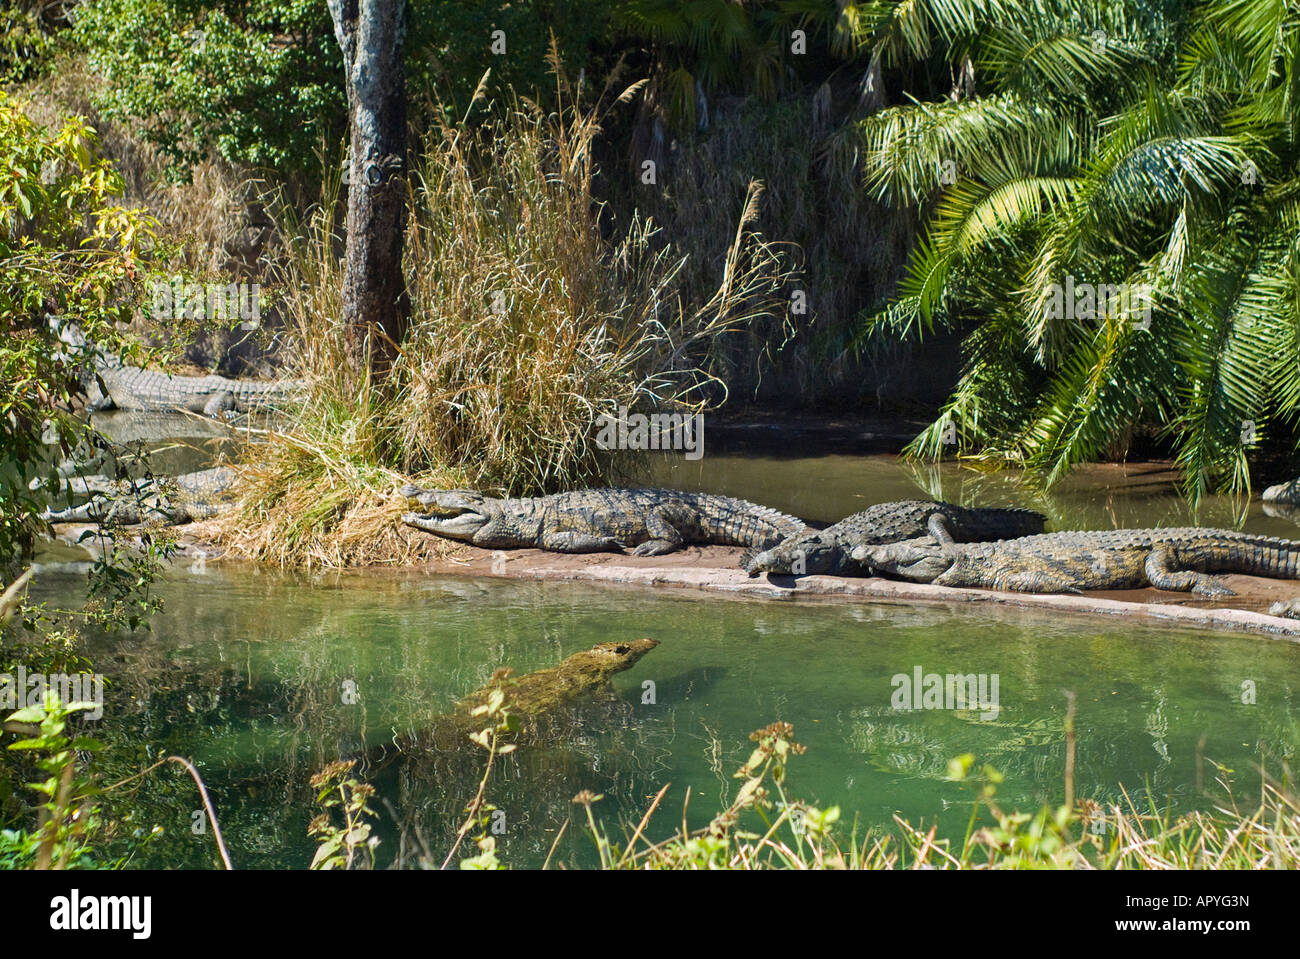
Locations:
(66, 249)
(1096, 156)
(68, 817)
(479, 812)
(31, 33)
(764, 827)
(261, 82)
(349, 844)
(794, 834)
(120, 579)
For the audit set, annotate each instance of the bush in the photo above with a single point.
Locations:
(261, 82)
(68, 249)
(525, 327)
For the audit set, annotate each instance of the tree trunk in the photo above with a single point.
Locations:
(375, 306)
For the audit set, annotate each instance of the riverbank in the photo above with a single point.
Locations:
(714, 570)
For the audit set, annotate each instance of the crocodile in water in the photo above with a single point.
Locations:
(1174, 559)
(534, 701)
(188, 497)
(654, 521)
(829, 550)
(1287, 493)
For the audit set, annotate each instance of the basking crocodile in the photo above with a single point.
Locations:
(132, 388)
(179, 499)
(829, 551)
(654, 521)
(1288, 493)
(534, 701)
(1174, 559)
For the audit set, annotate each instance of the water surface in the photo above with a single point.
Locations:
(248, 673)
(264, 678)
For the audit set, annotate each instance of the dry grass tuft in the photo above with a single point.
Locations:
(526, 326)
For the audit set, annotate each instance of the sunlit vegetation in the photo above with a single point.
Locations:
(1112, 145)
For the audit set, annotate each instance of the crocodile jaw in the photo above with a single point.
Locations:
(456, 514)
(460, 526)
(921, 561)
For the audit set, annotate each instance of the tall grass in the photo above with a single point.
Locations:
(526, 325)
(851, 248)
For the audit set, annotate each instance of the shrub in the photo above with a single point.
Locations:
(66, 248)
(526, 326)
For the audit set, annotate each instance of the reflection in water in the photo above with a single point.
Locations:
(825, 489)
(1283, 511)
(263, 679)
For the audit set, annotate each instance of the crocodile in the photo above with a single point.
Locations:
(828, 550)
(1287, 493)
(118, 385)
(1288, 608)
(1178, 559)
(174, 500)
(654, 521)
(132, 388)
(534, 701)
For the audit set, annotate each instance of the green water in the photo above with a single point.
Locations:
(246, 672)
(251, 674)
(827, 488)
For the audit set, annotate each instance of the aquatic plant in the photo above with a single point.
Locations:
(349, 845)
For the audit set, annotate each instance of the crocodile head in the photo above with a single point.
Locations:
(920, 560)
(616, 657)
(804, 556)
(1284, 493)
(456, 513)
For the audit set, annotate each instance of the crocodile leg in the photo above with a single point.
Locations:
(664, 536)
(222, 402)
(571, 541)
(97, 396)
(940, 529)
(1160, 571)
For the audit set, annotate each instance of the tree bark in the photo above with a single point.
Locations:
(375, 306)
